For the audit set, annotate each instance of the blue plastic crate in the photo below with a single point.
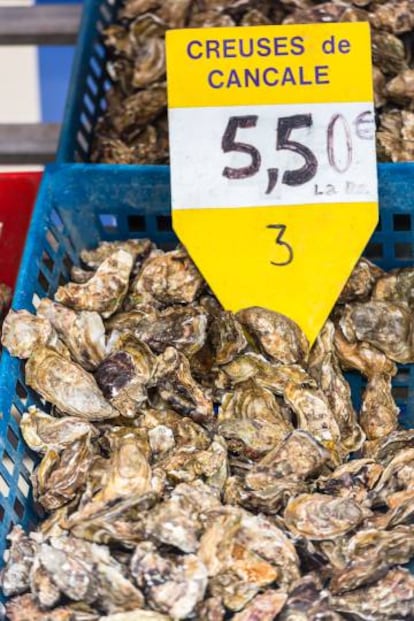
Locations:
(89, 81)
(80, 205)
(77, 206)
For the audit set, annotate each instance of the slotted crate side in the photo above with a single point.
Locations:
(89, 81)
(81, 204)
(392, 246)
(77, 207)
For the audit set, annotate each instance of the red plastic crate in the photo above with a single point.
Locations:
(17, 196)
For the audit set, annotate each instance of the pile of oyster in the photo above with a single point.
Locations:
(196, 464)
(134, 127)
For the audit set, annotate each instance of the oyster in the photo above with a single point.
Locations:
(384, 449)
(129, 473)
(396, 287)
(379, 412)
(299, 455)
(312, 409)
(105, 291)
(173, 585)
(253, 402)
(60, 476)
(263, 607)
(308, 601)
(385, 325)
(361, 282)
(83, 332)
(363, 357)
(269, 375)
(173, 380)
(182, 327)
(23, 332)
(227, 337)
(19, 558)
(354, 479)
(398, 476)
(138, 248)
(124, 375)
(278, 336)
(391, 597)
(169, 278)
(319, 516)
(66, 385)
(370, 554)
(324, 367)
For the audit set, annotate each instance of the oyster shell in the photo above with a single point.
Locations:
(173, 585)
(370, 554)
(169, 278)
(43, 432)
(398, 476)
(275, 377)
(390, 597)
(19, 559)
(124, 375)
(361, 282)
(184, 328)
(60, 476)
(396, 287)
(312, 409)
(105, 291)
(177, 388)
(386, 326)
(23, 332)
(354, 479)
(324, 367)
(278, 336)
(363, 357)
(83, 332)
(319, 516)
(263, 607)
(66, 385)
(379, 412)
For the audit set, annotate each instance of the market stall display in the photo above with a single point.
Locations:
(220, 512)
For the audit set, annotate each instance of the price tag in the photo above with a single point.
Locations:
(273, 167)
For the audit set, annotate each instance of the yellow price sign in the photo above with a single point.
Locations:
(273, 166)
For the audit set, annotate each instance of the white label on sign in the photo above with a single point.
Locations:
(241, 156)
